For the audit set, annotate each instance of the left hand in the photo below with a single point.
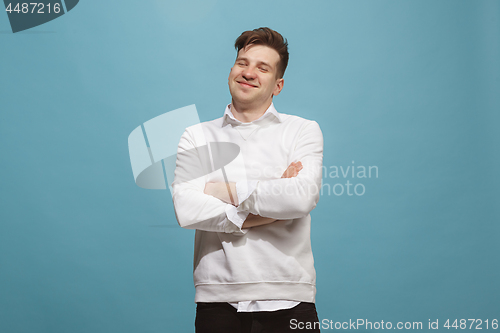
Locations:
(220, 191)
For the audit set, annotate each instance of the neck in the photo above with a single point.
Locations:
(247, 114)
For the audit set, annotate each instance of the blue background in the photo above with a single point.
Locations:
(412, 87)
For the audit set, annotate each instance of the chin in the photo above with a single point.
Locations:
(241, 97)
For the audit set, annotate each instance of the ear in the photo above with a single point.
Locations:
(278, 87)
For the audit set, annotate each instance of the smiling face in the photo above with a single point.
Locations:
(253, 79)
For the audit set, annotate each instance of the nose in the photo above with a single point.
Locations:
(249, 73)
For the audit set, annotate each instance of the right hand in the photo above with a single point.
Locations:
(292, 170)
(256, 220)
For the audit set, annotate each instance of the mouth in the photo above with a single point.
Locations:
(245, 84)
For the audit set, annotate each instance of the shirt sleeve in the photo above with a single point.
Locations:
(244, 188)
(296, 197)
(193, 208)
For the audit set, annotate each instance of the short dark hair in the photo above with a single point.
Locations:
(266, 37)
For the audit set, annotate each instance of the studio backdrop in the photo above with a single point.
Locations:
(407, 95)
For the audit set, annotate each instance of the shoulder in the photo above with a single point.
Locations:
(215, 123)
(299, 123)
(198, 134)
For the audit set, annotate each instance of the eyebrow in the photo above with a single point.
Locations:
(259, 62)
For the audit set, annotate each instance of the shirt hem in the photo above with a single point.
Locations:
(254, 291)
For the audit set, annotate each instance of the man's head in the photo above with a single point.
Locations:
(257, 74)
(266, 37)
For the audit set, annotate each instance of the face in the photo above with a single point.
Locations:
(253, 79)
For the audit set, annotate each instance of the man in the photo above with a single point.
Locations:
(253, 265)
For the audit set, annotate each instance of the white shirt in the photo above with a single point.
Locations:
(263, 268)
(246, 129)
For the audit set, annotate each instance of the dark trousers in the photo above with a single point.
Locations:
(223, 318)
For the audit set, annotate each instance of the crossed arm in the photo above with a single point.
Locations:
(227, 193)
(209, 207)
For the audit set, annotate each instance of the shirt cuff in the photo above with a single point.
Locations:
(235, 220)
(244, 188)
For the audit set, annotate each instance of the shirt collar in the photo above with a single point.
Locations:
(270, 113)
